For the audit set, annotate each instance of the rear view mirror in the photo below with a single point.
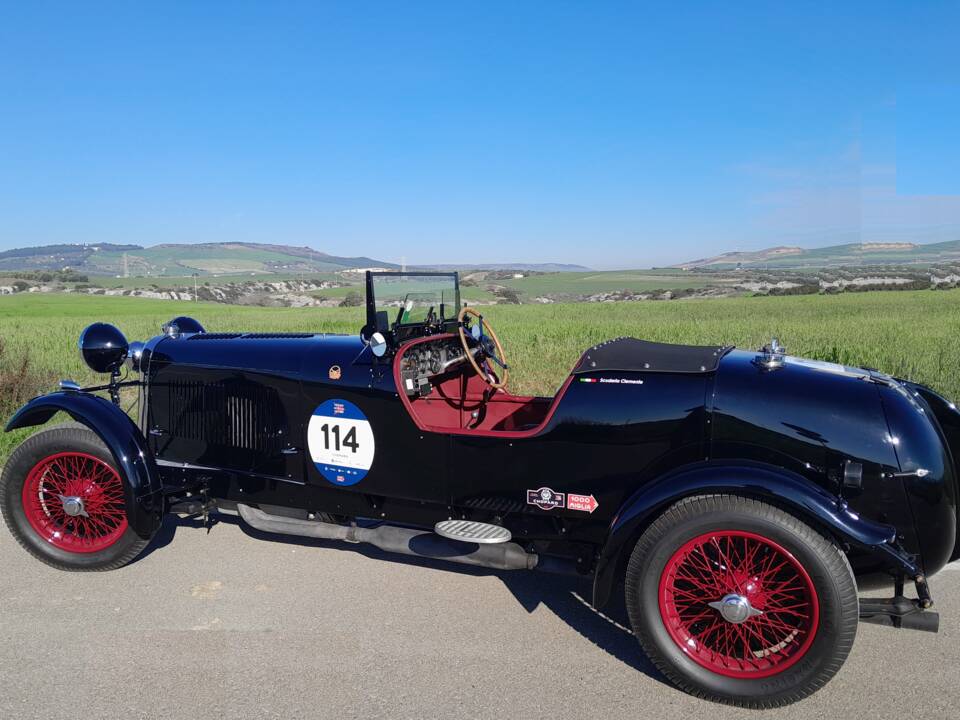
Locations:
(378, 344)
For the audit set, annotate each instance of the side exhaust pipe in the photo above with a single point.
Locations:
(391, 538)
(898, 612)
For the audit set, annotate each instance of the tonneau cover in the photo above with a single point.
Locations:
(626, 354)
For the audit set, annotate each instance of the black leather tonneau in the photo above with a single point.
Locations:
(626, 354)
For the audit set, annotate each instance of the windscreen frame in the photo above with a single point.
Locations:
(371, 300)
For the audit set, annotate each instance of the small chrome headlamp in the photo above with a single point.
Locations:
(135, 355)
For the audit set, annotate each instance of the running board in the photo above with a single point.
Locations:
(899, 612)
(392, 538)
(472, 532)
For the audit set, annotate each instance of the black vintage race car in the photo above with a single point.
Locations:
(740, 496)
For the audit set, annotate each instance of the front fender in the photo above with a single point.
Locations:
(142, 488)
(808, 501)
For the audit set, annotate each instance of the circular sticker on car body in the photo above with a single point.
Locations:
(341, 442)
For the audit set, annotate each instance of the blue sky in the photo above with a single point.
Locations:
(606, 134)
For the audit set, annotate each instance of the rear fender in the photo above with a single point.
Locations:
(142, 488)
(788, 490)
(948, 417)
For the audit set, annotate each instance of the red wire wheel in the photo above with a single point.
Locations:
(74, 501)
(772, 602)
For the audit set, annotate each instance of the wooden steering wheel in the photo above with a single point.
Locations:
(489, 347)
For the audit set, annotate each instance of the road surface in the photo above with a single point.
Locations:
(234, 625)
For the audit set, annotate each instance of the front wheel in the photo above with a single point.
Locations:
(62, 498)
(737, 601)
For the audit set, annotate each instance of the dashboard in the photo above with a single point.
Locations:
(427, 360)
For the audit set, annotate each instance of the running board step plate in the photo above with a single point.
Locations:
(475, 532)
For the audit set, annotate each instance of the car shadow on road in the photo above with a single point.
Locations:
(168, 529)
(566, 596)
(569, 599)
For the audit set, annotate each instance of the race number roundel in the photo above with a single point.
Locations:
(341, 442)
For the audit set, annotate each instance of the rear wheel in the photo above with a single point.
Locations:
(62, 498)
(740, 602)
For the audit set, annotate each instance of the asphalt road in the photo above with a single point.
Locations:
(232, 625)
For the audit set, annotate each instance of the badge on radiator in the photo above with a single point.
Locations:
(341, 442)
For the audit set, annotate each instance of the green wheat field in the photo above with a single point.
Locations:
(915, 335)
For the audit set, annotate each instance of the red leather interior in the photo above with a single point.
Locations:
(461, 402)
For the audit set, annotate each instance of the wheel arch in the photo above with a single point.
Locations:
(142, 487)
(777, 486)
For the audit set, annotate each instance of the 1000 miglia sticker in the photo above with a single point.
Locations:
(341, 442)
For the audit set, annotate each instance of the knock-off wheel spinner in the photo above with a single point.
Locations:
(73, 505)
(735, 608)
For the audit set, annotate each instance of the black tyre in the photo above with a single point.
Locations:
(739, 602)
(62, 498)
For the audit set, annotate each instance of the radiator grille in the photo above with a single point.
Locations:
(229, 413)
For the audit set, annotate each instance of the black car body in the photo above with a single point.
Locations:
(253, 422)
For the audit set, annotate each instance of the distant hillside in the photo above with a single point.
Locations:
(858, 254)
(534, 267)
(180, 260)
(56, 257)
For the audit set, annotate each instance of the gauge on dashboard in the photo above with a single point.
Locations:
(428, 360)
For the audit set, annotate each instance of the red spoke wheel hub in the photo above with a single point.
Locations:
(74, 501)
(738, 604)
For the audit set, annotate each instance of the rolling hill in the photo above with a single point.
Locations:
(183, 260)
(547, 267)
(180, 260)
(852, 254)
